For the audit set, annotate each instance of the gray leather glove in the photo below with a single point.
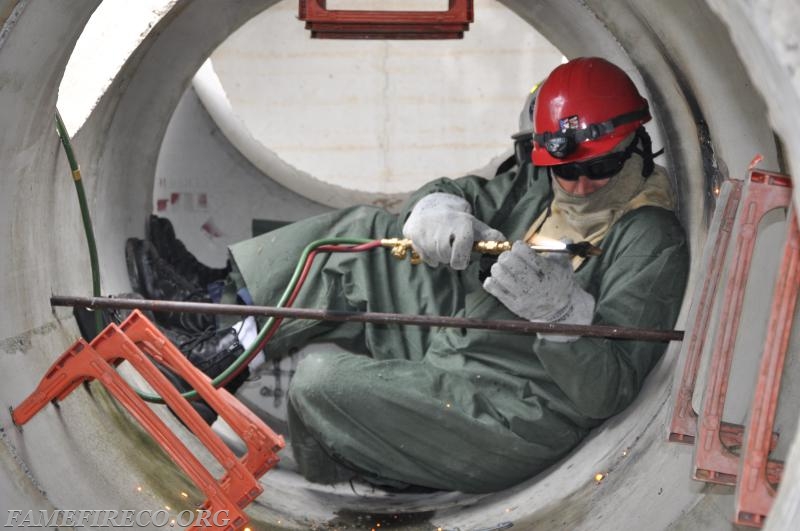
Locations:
(443, 230)
(540, 287)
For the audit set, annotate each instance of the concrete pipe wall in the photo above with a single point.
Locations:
(721, 76)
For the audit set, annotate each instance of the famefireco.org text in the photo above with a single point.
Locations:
(110, 518)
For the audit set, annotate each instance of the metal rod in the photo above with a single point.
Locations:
(520, 327)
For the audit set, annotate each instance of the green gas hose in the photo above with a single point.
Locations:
(265, 330)
(87, 220)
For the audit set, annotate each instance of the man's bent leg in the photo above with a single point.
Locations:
(404, 421)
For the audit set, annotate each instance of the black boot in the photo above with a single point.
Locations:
(212, 352)
(154, 278)
(85, 317)
(161, 233)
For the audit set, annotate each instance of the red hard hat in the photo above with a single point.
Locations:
(584, 109)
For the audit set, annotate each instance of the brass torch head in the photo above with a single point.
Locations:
(402, 248)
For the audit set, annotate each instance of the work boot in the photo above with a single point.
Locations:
(154, 278)
(161, 233)
(212, 352)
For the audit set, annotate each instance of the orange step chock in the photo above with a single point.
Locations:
(136, 341)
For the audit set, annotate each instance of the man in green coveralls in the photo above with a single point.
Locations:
(475, 410)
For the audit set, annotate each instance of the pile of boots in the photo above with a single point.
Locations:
(161, 268)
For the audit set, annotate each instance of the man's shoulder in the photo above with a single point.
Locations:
(650, 217)
(649, 226)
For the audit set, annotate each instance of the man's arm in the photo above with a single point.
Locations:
(485, 196)
(642, 286)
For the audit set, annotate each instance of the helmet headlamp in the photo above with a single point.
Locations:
(560, 145)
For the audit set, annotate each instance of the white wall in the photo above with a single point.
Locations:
(210, 191)
(381, 116)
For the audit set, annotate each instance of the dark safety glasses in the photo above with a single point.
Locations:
(595, 169)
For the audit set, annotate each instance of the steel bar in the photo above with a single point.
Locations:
(520, 327)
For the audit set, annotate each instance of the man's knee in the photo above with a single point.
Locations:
(316, 376)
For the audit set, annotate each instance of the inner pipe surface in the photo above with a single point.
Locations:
(710, 117)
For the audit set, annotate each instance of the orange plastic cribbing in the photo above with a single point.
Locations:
(683, 427)
(114, 345)
(754, 491)
(262, 443)
(714, 462)
(83, 361)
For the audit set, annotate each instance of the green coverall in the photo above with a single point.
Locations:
(448, 408)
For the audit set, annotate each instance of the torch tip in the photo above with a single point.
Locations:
(584, 249)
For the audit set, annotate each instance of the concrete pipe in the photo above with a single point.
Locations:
(722, 80)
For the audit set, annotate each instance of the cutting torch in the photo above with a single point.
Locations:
(403, 247)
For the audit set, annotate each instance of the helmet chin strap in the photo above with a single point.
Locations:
(646, 151)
